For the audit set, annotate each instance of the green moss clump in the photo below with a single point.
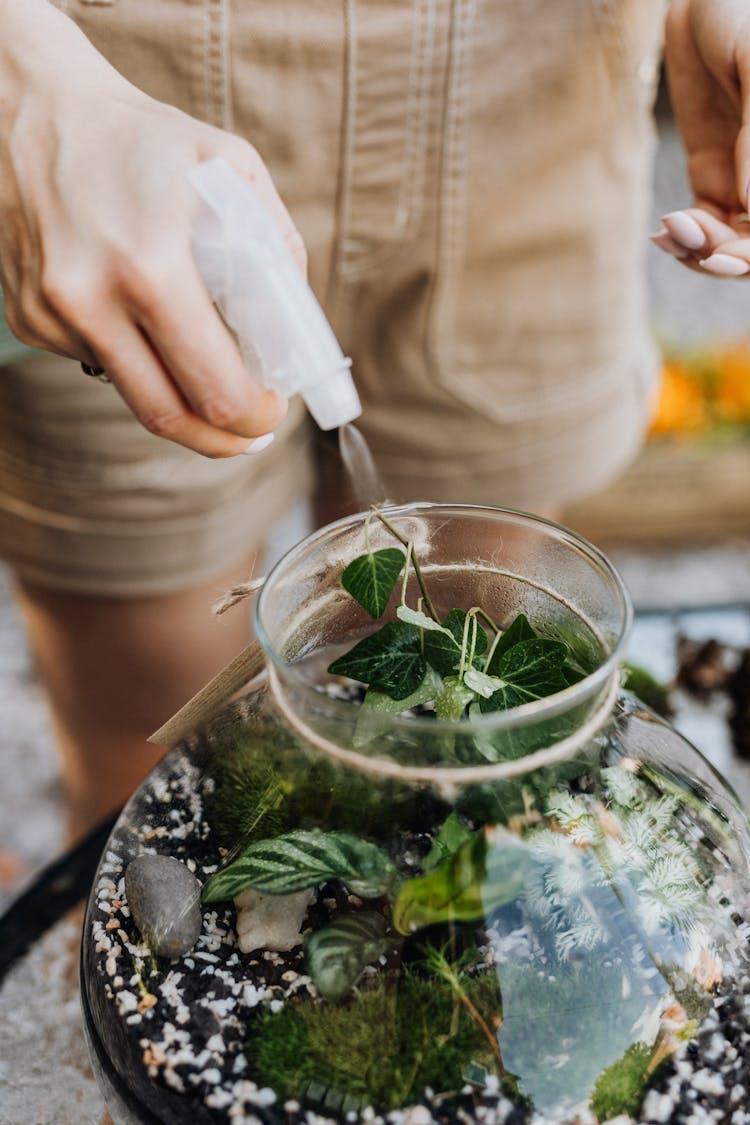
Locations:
(380, 1049)
(621, 1087)
(648, 689)
(265, 784)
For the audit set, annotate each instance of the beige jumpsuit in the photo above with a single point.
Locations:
(471, 178)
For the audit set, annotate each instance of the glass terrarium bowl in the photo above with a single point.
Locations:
(519, 915)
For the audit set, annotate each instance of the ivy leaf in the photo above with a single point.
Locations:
(518, 630)
(464, 888)
(421, 620)
(370, 579)
(371, 724)
(390, 660)
(302, 859)
(380, 703)
(482, 684)
(443, 650)
(336, 955)
(453, 699)
(449, 839)
(529, 670)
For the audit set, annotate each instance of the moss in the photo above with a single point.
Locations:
(621, 1087)
(381, 1049)
(265, 784)
(648, 689)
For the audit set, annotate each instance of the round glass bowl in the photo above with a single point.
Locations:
(522, 915)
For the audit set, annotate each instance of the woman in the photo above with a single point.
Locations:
(470, 184)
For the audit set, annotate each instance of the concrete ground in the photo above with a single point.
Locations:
(44, 1076)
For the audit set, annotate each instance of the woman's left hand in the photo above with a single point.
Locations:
(708, 65)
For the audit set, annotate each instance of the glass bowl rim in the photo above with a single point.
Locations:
(516, 717)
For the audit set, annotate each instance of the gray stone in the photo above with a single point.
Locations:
(164, 900)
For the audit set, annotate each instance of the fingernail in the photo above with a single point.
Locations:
(258, 445)
(663, 239)
(685, 230)
(724, 265)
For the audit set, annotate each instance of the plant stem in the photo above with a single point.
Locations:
(449, 974)
(481, 613)
(417, 569)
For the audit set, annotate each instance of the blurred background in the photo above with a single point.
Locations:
(677, 524)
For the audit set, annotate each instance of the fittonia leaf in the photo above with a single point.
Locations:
(303, 859)
(336, 955)
(370, 579)
(390, 660)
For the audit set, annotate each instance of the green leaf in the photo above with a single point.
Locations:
(370, 579)
(421, 620)
(449, 839)
(482, 684)
(453, 699)
(390, 660)
(465, 888)
(302, 859)
(336, 955)
(380, 703)
(529, 670)
(376, 704)
(443, 650)
(518, 630)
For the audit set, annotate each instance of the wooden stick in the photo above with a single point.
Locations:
(211, 698)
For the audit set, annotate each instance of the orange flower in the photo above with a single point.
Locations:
(732, 386)
(682, 406)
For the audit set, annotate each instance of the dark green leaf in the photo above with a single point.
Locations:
(336, 956)
(302, 859)
(443, 652)
(370, 578)
(529, 670)
(390, 660)
(518, 630)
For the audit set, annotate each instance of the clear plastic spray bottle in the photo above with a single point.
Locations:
(253, 279)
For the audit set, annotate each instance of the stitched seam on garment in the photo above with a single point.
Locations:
(353, 264)
(453, 182)
(415, 145)
(215, 56)
(348, 114)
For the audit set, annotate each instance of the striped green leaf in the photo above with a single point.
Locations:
(336, 956)
(302, 859)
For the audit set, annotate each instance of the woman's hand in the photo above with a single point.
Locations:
(95, 222)
(708, 63)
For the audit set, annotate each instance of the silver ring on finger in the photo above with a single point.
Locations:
(95, 372)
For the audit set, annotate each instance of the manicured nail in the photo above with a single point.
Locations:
(724, 265)
(663, 239)
(258, 445)
(685, 230)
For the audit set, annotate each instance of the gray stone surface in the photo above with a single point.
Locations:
(164, 899)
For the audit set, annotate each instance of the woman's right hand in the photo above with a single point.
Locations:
(95, 223)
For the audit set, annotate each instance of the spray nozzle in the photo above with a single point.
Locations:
(254, 281)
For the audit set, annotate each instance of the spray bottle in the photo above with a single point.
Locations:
(248, 268)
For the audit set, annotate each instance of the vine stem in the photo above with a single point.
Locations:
(417, 569)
